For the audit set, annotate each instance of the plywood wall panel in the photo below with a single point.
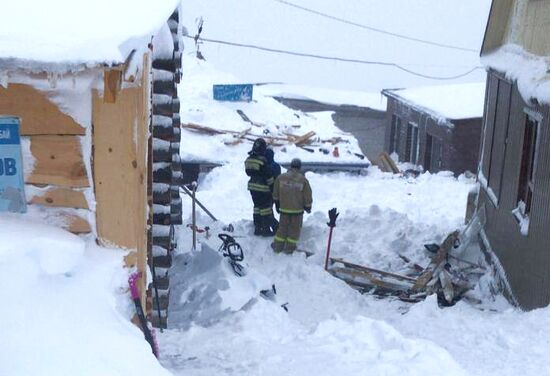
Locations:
(60, 197)
(58, 161)
(38, 115)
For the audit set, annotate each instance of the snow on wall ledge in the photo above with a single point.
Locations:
(531, 72)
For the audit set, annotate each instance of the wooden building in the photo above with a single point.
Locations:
(435, 128)
(514, 171)
(100, 131)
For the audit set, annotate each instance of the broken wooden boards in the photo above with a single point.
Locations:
(438, 277)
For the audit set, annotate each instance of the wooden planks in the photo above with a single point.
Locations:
(111, 84)
(120, 169)
(38, 115)
(58, 161)
(60, 197)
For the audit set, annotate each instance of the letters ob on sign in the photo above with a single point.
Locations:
(12, 185)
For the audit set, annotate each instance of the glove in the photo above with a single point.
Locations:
(307, 209)
(277, 208)
(332, 215)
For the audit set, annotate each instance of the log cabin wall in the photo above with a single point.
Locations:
(166, 167)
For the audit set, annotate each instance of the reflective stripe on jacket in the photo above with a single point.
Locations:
(257, 168)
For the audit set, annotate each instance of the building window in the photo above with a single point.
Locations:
(411, 153)
(528, 163)
(432, 158)
(395, 133)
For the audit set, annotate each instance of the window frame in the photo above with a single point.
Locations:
(527, 172)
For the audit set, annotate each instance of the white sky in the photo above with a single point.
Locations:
(272, 24)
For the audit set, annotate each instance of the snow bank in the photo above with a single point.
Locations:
(446, 102)
(530, 71)
(51, 249)
(66, 310)
(33, 33)
(204, 288)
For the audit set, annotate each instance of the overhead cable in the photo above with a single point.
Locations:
(334, 58)
(366, 27)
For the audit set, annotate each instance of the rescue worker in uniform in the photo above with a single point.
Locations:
(260, 186)
(275, 172)
(292, 196)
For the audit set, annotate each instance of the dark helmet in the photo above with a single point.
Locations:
(259, 146)
(296, 163)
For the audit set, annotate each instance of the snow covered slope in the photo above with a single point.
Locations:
(273, 24)
(199, 107)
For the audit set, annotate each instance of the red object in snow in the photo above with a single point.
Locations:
(335, 152)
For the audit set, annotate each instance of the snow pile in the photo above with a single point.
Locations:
(65, 306)
(530, 71)
(448, 102)
(264, 341)
(204, 288)
(105, 31)
(199, 107)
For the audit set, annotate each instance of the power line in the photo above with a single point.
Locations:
(366, 27)
(333, 58)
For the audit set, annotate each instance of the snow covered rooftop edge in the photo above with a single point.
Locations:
(446, 102)
(64, 34)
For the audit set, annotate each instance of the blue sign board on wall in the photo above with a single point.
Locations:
(12, 185)
(233, 93)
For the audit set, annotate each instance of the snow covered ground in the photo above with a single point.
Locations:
(65, 306)
(329, 328)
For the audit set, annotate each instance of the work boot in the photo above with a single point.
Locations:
(257, 224)
(277, 247)
(265, 229)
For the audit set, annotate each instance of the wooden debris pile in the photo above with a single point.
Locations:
(304, 141)
(445, 276)
(248, 135)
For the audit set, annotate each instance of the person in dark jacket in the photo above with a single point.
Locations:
(274, 166)
(260, 186)
(275, 172)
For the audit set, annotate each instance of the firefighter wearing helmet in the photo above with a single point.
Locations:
(260, 186)
(292, 196)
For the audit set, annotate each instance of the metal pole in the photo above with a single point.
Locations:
(190, 194)
(328, 248)
(194, 217)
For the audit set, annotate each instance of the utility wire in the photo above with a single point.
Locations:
(366, 27)
(333, 58)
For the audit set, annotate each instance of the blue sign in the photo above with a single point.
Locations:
(233, 93)
(12, 185)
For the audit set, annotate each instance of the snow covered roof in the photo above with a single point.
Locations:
(62, 35)
(450, 102)
(327, 96)
(531, 72)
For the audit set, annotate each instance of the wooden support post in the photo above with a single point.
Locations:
(194, 216)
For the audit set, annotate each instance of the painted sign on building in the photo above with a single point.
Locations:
(12, 186)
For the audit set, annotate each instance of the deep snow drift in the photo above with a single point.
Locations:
(65, 306)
